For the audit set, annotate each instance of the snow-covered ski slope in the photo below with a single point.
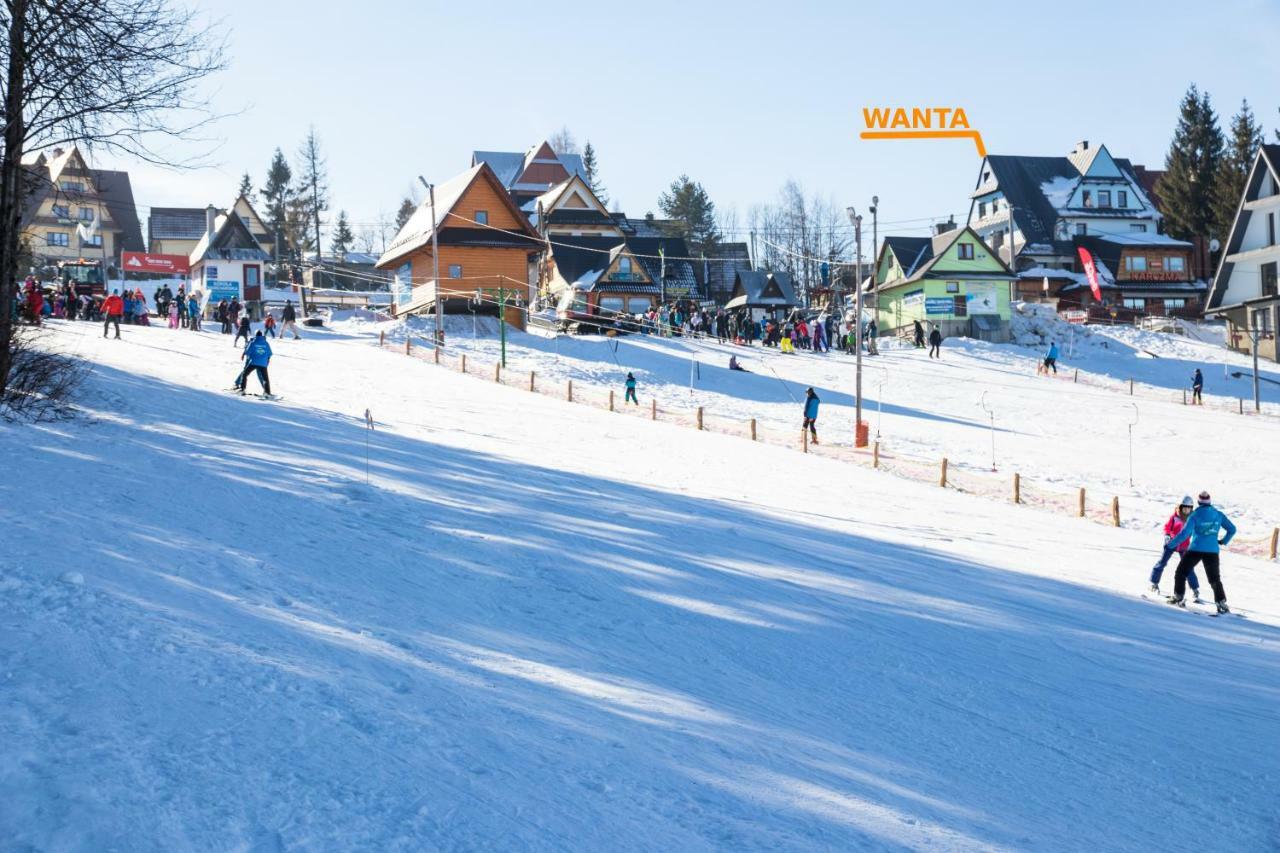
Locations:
(1059, 436)
(545, 627)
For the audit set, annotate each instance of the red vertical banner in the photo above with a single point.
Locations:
(1090, 271)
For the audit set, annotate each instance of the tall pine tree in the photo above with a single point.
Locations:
(688, 203)
(592, 169)
(246, 188)
(342, 237)
(1187, 189)
(312, 198)
(276, 193)
(1242, 147)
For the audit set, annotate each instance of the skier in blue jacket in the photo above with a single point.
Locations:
(1051, 359)
(811, 403)
(1201, 530)
(257, 355)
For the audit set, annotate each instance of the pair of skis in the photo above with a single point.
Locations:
(1208, 609)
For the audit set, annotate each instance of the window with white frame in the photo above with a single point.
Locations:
(1260, 319)
(1175, 263)
(965, 251)
(1135, 263)
(1170, 304)
(1138, 227)
(1135, 304)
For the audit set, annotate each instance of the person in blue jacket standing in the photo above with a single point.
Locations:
(256, 357)
(811, 403)
(1051, 359)
(1201, 530)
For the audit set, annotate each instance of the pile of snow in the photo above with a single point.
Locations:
(1035, 324)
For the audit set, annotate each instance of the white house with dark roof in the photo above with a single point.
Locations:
(1246, 289)
(1087, 198)
(227, 261)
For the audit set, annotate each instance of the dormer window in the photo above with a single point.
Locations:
(624, 266)
(482, 217)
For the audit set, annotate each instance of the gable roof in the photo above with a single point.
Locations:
(1267, 160)
(680, 280)
(722, 267)
(175, 223)
(231, 242)
(930, 255)
(112, 187)
(583, 259)
(417, 231)
(770, 289)
(911, 252)
(116, 193)
(510, 166)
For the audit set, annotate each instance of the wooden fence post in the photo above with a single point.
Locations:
(1017, 488)
(699, 417)
(804, 440)
(942, 481)
(1076, 379)
(497, 371)
(464, 362)
(530, 380)
(1275, 541)
(753, 429)
(408, 345)
(1130, 387)
(569, 396)
(382, 338)
(436, 351)
(1115, 512)
(611, 399)
(653, 409)
(875, 455)
(1081, 511)
(1242, 405)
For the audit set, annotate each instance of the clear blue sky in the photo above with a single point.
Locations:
(740, 96)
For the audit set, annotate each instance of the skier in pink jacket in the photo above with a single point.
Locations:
(1172, 528)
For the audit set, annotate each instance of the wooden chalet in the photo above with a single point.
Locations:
(485, 244)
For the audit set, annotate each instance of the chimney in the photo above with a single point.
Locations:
(210, 215)
(1081, 146)
(944, 227)
(57, 152)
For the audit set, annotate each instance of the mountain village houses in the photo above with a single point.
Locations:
(1244, 291)
(527, 227)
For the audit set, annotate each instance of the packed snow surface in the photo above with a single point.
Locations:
(541, 626)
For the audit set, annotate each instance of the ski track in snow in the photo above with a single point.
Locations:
(545, 627)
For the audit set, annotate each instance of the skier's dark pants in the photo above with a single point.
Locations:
(240, 335)
(226, 327)
(919, 342)
(106, 324)
(262, 377)
(1188, 562)
(1051, 363)
(1195, 395)
(1158, 569)
(935, 348)
(270, 330)
(631, 397)
(810, 424)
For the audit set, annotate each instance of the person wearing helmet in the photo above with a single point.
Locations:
(1172, 528)
(1201, 530)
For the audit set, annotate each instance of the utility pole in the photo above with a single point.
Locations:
(502, 321)
(875, 254)
(857, 320)
(435, 262)
(1256, 334)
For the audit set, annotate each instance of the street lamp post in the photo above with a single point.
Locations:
(856, 220)
(875, 254)
(435, 262)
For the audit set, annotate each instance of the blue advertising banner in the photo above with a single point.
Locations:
(939, 305)
(219, 290)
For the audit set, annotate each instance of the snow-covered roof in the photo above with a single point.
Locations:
(416, 233)
(1144, 239)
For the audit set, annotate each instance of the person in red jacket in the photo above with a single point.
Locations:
(35, 299)
(112, 311)
(1172, 528)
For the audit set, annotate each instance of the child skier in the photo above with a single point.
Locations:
(1201, 530)
(1172, 528)
(811, 403)
(631, 390)
(243, 330)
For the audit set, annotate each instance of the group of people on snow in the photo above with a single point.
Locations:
(1192, 533)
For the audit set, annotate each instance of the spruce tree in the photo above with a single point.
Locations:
(592, 168)
(246, 188)
(687, 202)
(276, 192)
(312, 198)
(342, 237)
(1246, 138)
(1186, 190)
(407, 207)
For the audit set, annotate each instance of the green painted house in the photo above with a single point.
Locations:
(952, 279)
